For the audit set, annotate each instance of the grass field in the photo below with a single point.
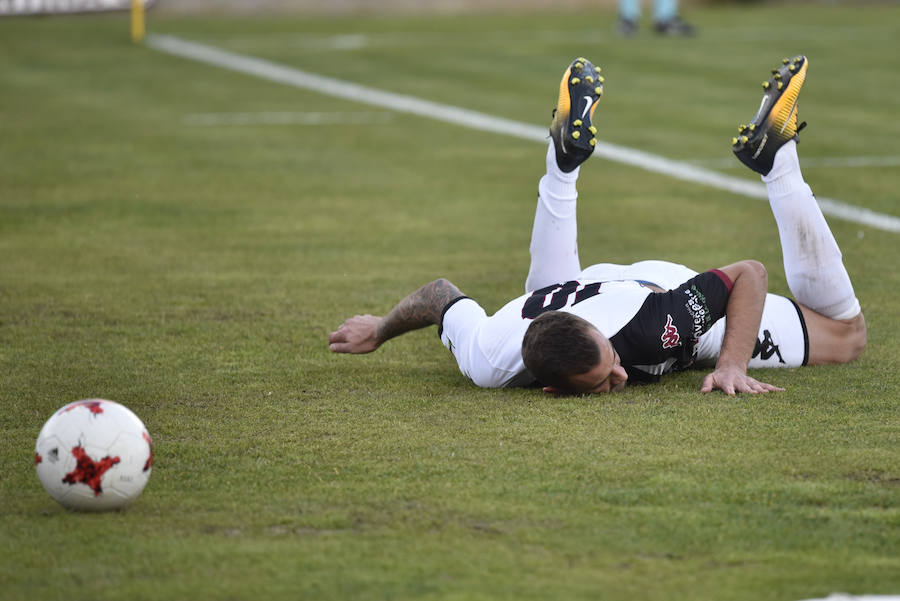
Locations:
(193, 272)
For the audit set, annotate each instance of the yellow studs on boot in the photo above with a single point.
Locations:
(598, 91)
(576, 123)
(593, 129)
(576, 134)
(593, 142)
(766, 85)
(589, 79)
(575, 81)
(579, 66)
(780, 84)
(743, 129)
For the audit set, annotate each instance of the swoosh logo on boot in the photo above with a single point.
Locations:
(587, 106)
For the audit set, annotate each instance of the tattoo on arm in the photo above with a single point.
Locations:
(420, 309)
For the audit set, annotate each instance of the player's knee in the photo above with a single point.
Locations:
(834, 340)
(851, 342)
(856, 337)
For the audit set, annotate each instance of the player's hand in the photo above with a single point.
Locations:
(732, 380)
(358, 334)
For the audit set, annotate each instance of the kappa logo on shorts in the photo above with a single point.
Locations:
(670, 337)
(766, 347)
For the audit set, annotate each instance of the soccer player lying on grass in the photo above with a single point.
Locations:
(591, 330)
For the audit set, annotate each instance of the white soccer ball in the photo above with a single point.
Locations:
(94, 455)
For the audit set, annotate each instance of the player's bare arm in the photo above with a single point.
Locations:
(422, 308)
(743, 314)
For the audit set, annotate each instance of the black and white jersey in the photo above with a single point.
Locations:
(663, 335)
(653, 332)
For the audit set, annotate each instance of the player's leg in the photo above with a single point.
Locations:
(554, 246)
(791, 335)
(664, 10)
(813, 262)
(660, 275)
(782, 340)
(629, 15)
(666, 20)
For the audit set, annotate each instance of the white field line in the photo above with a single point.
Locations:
(489, 123)
(286, 118)
(848, 597)
(812, 163)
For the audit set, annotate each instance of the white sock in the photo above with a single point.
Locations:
(554, 237)
(812, 260)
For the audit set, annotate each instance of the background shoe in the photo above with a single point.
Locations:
(675, 26)
(574, 136)
(626, 27)
(776, 120)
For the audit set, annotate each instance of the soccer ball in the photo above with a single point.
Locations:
(94, 455)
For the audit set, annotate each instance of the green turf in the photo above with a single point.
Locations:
(193, 273)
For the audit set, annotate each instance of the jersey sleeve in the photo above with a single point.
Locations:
(462, 331)
(663, 334)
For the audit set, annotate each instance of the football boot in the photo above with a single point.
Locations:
(776, 120)
(627, 28)
(572, 130)
(676, 26)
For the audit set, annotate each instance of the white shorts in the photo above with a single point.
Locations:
(782, 340)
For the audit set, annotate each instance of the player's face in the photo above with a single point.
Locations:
(606, 376)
